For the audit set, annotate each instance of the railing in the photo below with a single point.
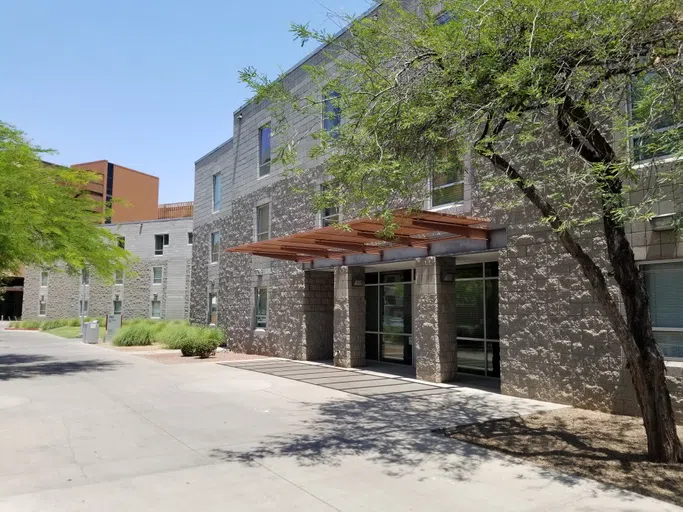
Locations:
(175, 210)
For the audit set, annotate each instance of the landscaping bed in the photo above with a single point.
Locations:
(604, 447)
(175, 357)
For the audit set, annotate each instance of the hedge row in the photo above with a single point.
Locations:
(191, 340)
(47, 325)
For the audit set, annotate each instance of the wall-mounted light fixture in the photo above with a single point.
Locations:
(447, 277)
(116, 296)
(42, 297)
(358, 282)
(156, 295)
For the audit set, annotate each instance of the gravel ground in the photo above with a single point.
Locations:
(175, 357)
(605, 447)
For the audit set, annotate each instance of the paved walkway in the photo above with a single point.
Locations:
(85, 428)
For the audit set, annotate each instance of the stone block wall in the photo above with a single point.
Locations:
(349, 317)
(319, 315)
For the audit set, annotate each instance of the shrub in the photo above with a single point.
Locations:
(14, 325)
(174, 335)
(46, 325)
(134, 335)
(74, 322)
(30, 324)
(187, 348)
(205, 347)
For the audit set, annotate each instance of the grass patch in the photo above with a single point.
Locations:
(137, 334)
(71, 332)
(605, 447)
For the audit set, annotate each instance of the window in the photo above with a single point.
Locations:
(215, 246)
(157, 275)
(83, 308)
(85, 276)
(444, 17)
(263, 222)
(122, 241)
(43, 278)
(261, 310)
(331, 113)
(117, 307)
(448, 184)
(329, 215)
(156, 309)
(216, 192)
(42, 307)
(665, 132)
(264, 151)
(213, 308)
(189, 237)
(476, 310)
(664, 282)
(160, 241)
(118, 277)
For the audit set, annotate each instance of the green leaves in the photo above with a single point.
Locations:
(47, 217)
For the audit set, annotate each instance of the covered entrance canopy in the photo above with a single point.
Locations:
(415, 229)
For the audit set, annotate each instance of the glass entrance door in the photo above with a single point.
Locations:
(389, 316)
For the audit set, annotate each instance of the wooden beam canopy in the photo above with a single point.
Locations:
(415, 229)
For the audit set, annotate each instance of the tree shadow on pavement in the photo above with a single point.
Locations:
(26, 366)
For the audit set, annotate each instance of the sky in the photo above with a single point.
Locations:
(147, 84)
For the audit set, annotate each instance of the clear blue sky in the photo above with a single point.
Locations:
(148, 84)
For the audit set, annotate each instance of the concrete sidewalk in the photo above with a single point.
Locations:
(85, 428)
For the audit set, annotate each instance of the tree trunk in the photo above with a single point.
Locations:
(644, 360)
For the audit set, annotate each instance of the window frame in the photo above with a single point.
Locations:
(646, 263)
(264, 164)
(118, 281)
(214, 247)
(151, 312)
(85, 277)
(210, 312)
(42, 307)
(120, 303)
(121, 241)
(154, 277)
(328, 97)
(190, 238)
(44, 282)
(451, 184)
(327, 218)
(165, 242)
(258, 228)
(264, 317)
(216, 198)
(81, 310)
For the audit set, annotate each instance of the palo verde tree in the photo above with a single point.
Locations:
(570, 104)
(47, 217)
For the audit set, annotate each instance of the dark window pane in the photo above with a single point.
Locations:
(491, 269)
(396, 310)
(492, 309)
(264, 150)
(493, 359)
(471, 357)
(450, 173)
(450, 194)
(671, 343)
(331, 112)
(664, 282)
(468, 271)
(396, 276)
(371, 278)
(396, 348)
(371, 308)
(469, 308)
(372, 347)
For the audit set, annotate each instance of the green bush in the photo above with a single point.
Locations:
(134, 335)
(14, 325)
(74, 322)
(46, 325)
(174, 335)
(197, 346)
(187, 348)
(30, 324)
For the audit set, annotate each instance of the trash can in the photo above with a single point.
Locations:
(92, 332)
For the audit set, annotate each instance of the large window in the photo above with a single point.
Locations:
(331, 113)
(215, 246)
(160, 241)
(157, 275)
(85, 276)
(43, 278)
(213, 308)
(216, 192)
(264, 151)
(664, 132)
(664, 283)
(189, 238)
(156, 309)
(263, 222)
(476, 313)
(117, 307)
(329, 215)
(83, 308)
(42, 307)
(448, 184)
(118, 277)
(261, 309)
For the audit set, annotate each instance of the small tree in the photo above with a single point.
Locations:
(47, 216)
(558, 97)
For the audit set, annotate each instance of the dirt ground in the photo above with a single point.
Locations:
(605, 447)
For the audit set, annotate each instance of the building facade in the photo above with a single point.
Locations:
(513, 307)
(156, 286)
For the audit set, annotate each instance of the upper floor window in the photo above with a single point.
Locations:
(664, 283)
(117, 307)
(160, 241)
(122, 241)
(264, 151)
(190, 235)
(330, 214)
(118, 277)
(444, 17)
(261, 309)
(216, 192)
(263, 222)
(85, 276)
(215, 246)
(331, 113)
(647, 106)
(448, 184)
(43, 278)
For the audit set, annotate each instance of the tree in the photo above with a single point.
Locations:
(558, 98)
(47, 216)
